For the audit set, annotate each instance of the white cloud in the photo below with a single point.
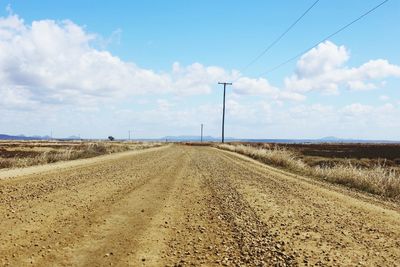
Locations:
(324, 58)
(248, 86)
(356, 109)
(323, 69)
(376, 69)
(360, 86)
(261, 86)
(240, 112)
(287, 95)
(55, 62)
(197, 78)
(16, 98)
(164, 105)
(384, 98)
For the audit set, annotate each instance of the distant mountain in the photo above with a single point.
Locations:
(23, 137)
(72, 137)
(16, 137)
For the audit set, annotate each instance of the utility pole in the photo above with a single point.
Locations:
(223, 111)
(129, 135)
(201, 138)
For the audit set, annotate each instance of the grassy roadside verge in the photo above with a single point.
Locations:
(377, 180)
(81, 151)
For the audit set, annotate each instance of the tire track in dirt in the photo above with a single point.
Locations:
(224, 230)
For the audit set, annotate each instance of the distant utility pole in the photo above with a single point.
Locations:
(201, 138)
(129, 135)
(223, 111)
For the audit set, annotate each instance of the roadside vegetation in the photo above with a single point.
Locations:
(378, 179)
(22, 154)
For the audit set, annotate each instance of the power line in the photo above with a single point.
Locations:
(279, 37)
(323, 40)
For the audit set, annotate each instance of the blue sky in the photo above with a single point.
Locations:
(152, 67)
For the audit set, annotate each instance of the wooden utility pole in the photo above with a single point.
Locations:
(223, 111)
(201, 136)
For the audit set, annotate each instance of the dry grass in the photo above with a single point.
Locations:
(378, 179)
(275, 156)
(67, 151)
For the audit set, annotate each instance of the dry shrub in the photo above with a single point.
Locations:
(379, 180)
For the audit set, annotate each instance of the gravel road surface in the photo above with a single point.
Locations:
(188, 206)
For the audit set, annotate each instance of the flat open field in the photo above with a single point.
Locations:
(360, 154)
(14, 154)
(188, 205)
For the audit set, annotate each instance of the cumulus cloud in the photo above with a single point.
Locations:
(246, 85)
(356, 109)
(323, 68)
(55, 62)
(324, 58)
(197, 78)
(261, 86)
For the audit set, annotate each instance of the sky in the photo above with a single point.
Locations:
(100, 68)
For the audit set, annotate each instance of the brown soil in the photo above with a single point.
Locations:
(181, 205)
(329, 154)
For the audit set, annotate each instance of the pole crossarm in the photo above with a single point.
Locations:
(225, 83)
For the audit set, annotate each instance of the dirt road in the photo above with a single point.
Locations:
(181, 205)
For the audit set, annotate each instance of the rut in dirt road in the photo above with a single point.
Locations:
(181, 205)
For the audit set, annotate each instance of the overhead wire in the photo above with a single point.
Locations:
(279, 37)
(324, 39)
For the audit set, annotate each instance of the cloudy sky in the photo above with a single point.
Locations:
(152, 67)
